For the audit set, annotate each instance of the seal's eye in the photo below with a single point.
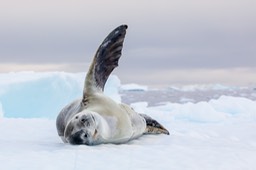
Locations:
(86, 135)
(83, 120)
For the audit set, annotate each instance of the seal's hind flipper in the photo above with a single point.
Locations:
(105, 61)
(153, 127)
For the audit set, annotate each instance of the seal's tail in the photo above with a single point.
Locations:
(153, 127)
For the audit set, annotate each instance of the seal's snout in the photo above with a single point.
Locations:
(76, 139)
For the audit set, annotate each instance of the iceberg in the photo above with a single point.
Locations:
(43, 95)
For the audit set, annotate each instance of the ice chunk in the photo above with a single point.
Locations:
(33, 95)
(134, 87)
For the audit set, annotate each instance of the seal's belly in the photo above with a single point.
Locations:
(116, 116)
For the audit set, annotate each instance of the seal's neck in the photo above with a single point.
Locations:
(104, 132)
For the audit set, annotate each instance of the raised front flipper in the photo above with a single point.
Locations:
(105, 61)
(153, 127)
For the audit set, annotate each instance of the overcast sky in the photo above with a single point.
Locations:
(167, 42)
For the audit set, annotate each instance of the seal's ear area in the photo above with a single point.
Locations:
(105, 60)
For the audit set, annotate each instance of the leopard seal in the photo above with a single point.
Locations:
(97, 119)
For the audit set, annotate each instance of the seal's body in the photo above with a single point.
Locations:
(96, 118)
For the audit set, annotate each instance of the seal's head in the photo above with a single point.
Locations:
(84, 129)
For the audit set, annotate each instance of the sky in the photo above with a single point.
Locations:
(167, 42)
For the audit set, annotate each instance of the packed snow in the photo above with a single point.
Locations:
(214, 132)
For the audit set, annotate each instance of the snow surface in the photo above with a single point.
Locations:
(206, 135)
